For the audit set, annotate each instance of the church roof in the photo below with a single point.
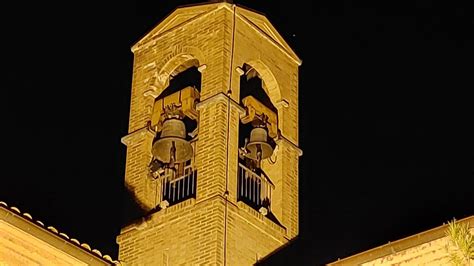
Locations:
(24, 222)
(186, 14)
(399, 245)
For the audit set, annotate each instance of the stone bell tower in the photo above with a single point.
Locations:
(212, 148)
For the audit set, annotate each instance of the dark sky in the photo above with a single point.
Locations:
(385, 116)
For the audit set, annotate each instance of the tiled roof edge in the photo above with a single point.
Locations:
(52, 229)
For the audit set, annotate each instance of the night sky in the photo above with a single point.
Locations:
(385, 117)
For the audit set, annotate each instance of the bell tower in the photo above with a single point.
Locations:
(212, 148)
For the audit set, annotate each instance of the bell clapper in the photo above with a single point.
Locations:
(172, 154)
(259, 155)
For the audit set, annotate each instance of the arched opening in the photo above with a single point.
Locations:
(183, 76)
(254, 187)
(252, 84)
(188, 77)
(176, 179)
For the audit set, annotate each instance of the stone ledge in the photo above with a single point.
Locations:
(145, 221)
(282, 103)
(283, 139)
(242, 206)
(129, 139)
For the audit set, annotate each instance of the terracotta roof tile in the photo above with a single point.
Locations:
(52, 229)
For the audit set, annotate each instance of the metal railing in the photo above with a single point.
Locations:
(254, 189)
(173, 187)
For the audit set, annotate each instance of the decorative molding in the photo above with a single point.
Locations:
(201, 68)
(282, 103)
(153, 92)
(283, 139)
(137, 134)
(240, 71)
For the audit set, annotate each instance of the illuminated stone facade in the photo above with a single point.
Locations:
(426, 248)
(26, 241)
(214, 227)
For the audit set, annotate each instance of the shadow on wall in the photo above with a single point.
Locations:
(131, 209)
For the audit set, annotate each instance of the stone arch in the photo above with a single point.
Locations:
(269, 82)
(178, 60)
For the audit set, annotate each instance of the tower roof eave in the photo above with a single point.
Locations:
(186, 14)
(178, 17)
(260, 22)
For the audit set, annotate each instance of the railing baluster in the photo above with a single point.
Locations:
(244, 182)
(238, 184)
(176, 189)
(183, 183)
(187, 187)
(265, 191)
(242, 188)
(259, 188)
(173, 190)
(179, 188)
(159, 190)
(169, 189)
(163, 188)
(250, 187)
(246, 186)
(269, 200)
(253, 188)
(192, 184)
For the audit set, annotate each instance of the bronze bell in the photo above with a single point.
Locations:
(258, 146)
(172, 146)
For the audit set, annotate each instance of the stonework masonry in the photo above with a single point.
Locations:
(426, 248)
(213, 228)
(28, 241)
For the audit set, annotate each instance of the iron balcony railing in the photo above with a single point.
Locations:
(174, 188)
(254, 189)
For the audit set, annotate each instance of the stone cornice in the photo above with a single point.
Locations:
(283, 139)
(137, 135)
